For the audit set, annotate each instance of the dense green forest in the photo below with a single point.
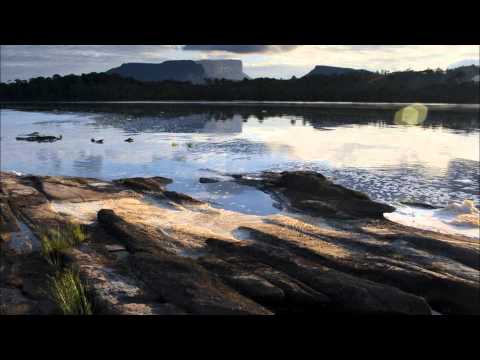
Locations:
(406, 86)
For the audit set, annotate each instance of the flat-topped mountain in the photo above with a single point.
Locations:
(223, 69)
(179, 70)
(183, 70)
(334, 71)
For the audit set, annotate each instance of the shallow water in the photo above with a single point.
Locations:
(436, 162)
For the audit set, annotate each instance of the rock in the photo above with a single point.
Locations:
(8, 222)
(186, 284)
(156, 183)
(247, 283)
(36, 137)
(144, 257)
(135, 238)
(115, 248)
(157, 186)
(451, 287)
(111, 291)
(420, 205)
(347, 292)
(299, 297)
(312, 192)
(13, 302)
(176, 279)
(74, 189)
(181, 199)
(204, 180)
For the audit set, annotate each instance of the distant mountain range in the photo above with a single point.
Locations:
(195, 72)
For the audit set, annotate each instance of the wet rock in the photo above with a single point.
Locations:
(312, 192)
(156, 183)
(204, 180)
(420, 205)
(181, 199)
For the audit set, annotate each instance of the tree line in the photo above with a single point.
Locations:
(407, 86)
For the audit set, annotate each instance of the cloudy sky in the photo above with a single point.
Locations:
(279, 61)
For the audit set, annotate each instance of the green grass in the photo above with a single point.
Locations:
(69, 293)
(53, 241)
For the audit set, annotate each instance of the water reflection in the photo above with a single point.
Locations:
(86, 165)
(435, 161)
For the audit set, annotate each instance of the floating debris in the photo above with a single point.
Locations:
(36, 137)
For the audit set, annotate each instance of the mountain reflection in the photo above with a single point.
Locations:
(149, 117)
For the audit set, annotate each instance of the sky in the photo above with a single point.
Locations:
(277, 61)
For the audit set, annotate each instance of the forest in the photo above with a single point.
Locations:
(450, 86)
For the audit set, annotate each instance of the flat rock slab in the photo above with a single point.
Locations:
(114, 293)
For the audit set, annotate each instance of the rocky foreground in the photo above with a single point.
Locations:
(154, 251)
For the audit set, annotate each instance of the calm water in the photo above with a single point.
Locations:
(436, 162)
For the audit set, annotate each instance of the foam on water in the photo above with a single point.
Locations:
(456, 218)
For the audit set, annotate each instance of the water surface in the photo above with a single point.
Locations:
(436, 161)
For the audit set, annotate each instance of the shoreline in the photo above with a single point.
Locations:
(333, 253)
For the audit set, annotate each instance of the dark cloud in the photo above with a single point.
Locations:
(26, 61)
(241, 49)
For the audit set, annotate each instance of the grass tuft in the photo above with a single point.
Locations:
(53, 241)
(69, 293)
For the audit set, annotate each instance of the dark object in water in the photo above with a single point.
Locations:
(35, 136)
(204, 180)
(129, 140)
(100, 141)
(420, 205)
